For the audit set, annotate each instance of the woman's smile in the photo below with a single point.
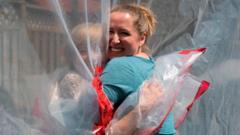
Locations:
(114, 49)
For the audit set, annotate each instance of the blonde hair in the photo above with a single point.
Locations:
(82, 32)
(144, 19)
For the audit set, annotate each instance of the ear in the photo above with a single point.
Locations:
(143, 38)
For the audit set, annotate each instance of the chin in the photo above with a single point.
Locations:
(110, 57)
(113, 56)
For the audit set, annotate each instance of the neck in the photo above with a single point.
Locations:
(143, 55)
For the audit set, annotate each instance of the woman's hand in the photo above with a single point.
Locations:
(151, 94)
(125, 126)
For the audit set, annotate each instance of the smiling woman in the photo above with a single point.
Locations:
(130, 64)
(129, 30)
(124, 38)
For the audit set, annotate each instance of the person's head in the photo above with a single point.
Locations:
(130, 27)
(84, 35)
(87, 39)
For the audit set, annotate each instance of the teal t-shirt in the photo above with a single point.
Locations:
(124, 75)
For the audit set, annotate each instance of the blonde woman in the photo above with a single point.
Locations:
(130, 63)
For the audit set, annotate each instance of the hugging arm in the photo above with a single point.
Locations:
(150, 93)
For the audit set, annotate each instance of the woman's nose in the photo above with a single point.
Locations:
(115, 39)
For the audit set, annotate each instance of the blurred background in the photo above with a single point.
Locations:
(33, 34)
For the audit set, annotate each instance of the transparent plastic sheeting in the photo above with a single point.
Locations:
(213, 24)
(38, 53)
(46, 69)
(174, 90)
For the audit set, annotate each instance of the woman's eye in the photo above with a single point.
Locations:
(110, 31)
(125, 33)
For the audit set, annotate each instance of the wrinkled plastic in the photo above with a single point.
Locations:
(46, 77)
(34, 35)
(177, 91)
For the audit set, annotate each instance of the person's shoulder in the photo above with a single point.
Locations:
(123, 61)
(127, 60)
(120, 65)
(130, 62)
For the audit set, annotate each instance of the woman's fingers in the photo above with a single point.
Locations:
(151, 94)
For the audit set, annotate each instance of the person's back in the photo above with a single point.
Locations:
(123, 76)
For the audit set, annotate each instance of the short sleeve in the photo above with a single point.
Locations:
(118, 80)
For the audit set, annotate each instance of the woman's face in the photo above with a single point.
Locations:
(124, 39)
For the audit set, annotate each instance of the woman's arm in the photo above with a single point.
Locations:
(125, 126)
(151, 92)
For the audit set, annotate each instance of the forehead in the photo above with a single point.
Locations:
(121, 19)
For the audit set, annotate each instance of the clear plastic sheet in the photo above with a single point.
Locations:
(46, 70)
(38, 53)
(175, 91)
